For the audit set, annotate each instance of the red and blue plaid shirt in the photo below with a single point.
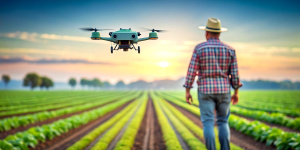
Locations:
(216, 66)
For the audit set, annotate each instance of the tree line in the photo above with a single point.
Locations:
(32, 80)
(96, 83)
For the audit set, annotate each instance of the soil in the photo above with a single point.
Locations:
(236, 137)
(67, 139)
(271, 124)
(23, 128)
(145, 137)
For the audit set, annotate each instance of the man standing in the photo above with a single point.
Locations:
(216, 66)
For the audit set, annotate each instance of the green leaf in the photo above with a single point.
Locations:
(269, 142)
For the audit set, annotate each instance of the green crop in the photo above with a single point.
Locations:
(264, 133)
(256, 129)
(187, 136)
(194, 127)
(17, 121)
(128, 138)
(276, 118)
(169, 134)
(104, 141)
(89, 138)
(38, 104)
(49, 131)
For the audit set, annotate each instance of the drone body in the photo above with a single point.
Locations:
(124, 38)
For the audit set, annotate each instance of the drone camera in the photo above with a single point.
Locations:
(139, 33)
(133, 36)
(114, 36)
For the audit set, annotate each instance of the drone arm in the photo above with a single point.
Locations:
(143, 39)
(106, 39)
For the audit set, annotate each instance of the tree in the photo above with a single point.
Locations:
(83, 82)
(72, 82)
(106, 84)
(96, 83)
(46, 82)
(32, 80)
(5, 79)
(120, 85)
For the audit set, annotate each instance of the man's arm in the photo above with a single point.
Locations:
(234, 80)
(191, 73)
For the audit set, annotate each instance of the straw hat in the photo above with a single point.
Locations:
(213, 25)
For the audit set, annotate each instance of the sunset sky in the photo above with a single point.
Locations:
(43, 37)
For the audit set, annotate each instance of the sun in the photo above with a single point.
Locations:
(163, 64)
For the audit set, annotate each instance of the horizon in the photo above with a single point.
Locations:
(43, 37)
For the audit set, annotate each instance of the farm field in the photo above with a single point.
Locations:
(136, 119)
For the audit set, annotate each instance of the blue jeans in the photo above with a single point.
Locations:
(207, 104)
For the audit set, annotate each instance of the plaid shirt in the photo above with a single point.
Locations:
(216, 66)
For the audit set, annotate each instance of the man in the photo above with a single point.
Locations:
(216, 66)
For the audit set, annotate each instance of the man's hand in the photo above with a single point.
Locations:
(235, 98)
(188, 96)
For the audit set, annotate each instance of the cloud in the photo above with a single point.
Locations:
(8, 60)
(296, 68)
(32, 37)
(35, 37)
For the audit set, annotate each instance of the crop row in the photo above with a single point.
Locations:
(260, 131)
(264, 133)
(54, 100)
(128, 138)
(111, 133)
(19, 98)
(169, 134)
(35, 135)
(91, 136)
(77, 101)
(288, 112)
(268, 106)
(192, 141)
(193, 127)
(17, 121)
(276, 118)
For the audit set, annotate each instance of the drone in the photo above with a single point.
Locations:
(123, 38)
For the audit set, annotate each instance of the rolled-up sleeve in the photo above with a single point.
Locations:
(234, 72)
(192, 70)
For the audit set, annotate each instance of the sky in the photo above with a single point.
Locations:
(44, 37)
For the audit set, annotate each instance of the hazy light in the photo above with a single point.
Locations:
(163, 64)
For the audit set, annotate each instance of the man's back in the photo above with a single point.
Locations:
(214, 61)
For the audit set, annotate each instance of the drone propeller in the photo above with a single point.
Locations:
(154, 30)
(93, 29)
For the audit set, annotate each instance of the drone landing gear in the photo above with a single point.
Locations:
(125, 48)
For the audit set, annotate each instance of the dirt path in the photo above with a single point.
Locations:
(236, 137)
(270, 124)
(155, 138)
(67, 139)
(23, 128)
(145, 136)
